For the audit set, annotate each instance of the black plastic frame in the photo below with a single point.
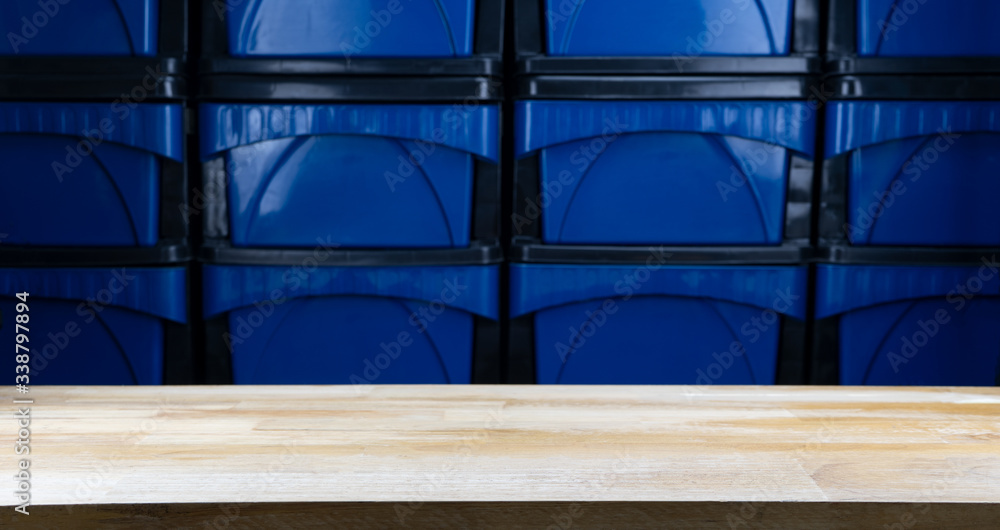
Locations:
(107, 88)
(170, 60)
(597, 87)
(529, 43)
(478, 254)
(486, 59)
(842, 52)
(824, 354)
(833, 243)
(180, 358)
(791, 367)
(527, 215)
(914, 87)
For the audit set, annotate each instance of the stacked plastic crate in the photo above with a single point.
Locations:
(92, 224)
(350, 185)
(661, 218)
(908, 291)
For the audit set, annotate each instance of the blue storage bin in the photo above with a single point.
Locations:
(611, 324)
(351, 28)
(90, 326)
(890, 28)
(913, 325)
(664, 172)
(658, 28)
(91, 27)
(351, 325)
(85, 174)
(363, 176)
(918, 173)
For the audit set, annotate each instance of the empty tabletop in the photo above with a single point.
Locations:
(529, 456)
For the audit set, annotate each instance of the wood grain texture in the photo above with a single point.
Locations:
(537, 446)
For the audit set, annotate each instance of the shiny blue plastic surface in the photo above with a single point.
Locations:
(927, 28)
(344, 325)
(85, 174)
(904, 325)
(354, 175)
(920, 173)
(351, 28)
(75, 27)
(670, 172)
(599, 324)
(93, 326)
(653, 27)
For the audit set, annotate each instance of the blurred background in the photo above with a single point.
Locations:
(692, 192)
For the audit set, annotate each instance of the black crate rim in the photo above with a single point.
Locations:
(460, 67)
(219, 253)
(793, 65)
(87, 65)
(927, 66)
(534, 252)
(915, 87)
(165, 254)
(667, 87)
(901, 256)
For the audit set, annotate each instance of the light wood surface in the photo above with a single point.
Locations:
(539, 448)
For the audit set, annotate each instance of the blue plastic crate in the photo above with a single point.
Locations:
(664, 172)
(72, 27)
(918, 173)
(611, 324)
(94, 326)
(85, 174)
(351, 28)
(927, 28)
(351, 325)
(363, 176)
(914, 325)
(657, 28)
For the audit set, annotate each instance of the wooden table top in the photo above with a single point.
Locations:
(411, 445)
